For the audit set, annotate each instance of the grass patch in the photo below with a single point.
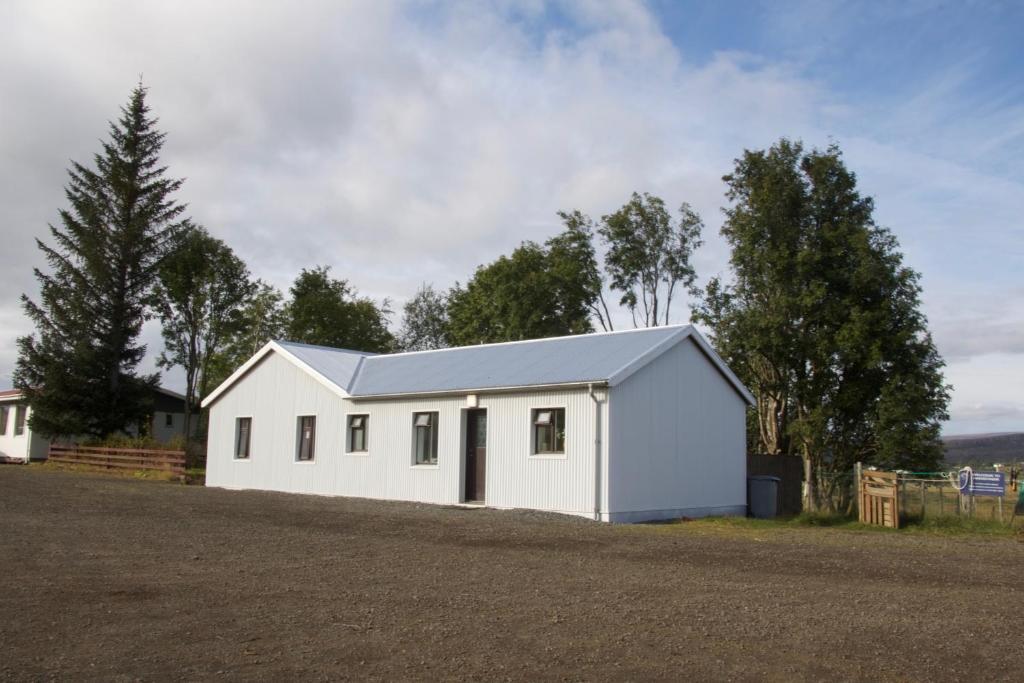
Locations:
(938, 526)
(120, 472)
(950, 525)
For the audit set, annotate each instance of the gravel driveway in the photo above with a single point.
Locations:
(116, 579)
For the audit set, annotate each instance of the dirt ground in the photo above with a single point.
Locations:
(115, 579)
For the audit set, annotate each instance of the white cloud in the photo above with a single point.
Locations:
(403, 143)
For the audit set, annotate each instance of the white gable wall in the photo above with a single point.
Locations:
(677, 441)
(25, 446)
(275, 392)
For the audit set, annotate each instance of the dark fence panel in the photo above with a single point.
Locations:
(790, 471)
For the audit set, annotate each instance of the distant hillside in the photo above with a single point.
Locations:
(985, 449)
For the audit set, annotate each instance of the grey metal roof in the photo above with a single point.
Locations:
(337, 365)
(561, 360)
(608, 357)
(581, 358)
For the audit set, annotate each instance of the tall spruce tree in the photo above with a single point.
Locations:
(822, 320)
(78, 370)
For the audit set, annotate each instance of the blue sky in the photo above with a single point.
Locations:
(403, 143)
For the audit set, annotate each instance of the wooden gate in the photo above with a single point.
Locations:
(879, 499)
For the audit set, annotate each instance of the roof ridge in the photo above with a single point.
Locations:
(284, 342)
(531, 341)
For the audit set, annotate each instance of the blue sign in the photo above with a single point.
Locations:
(983, 483)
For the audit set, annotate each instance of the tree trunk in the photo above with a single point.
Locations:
(810, 502)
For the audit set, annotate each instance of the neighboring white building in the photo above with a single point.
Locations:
(622, 426)
(18, 443)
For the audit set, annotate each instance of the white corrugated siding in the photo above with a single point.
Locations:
(517, 479)
(275, 392)
(677, 430)
(20, 446)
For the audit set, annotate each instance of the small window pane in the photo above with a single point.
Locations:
(357, 429)
(243, 431)
(169, 420)
(425, 438)
(307, 437)
(3, 419)
(549, 431)
(19, 420)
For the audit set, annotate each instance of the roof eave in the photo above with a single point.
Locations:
(462, 391)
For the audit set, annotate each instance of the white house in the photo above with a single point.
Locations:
(621, 426)
(18, 443)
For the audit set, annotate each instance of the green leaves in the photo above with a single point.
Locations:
(78, 369)
(649, 255)
(328, 312)
(822, 320)
(199, 298)
(424, 321)
(537, 291)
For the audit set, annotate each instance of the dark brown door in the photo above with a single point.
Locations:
(476, 454)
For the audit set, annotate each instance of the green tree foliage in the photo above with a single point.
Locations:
(260, 319)
(329, 312)
(574, 263)
(822, 320)
(424, 321)
(649, 254)
(78, 369)
(199, 296)
(537, 291)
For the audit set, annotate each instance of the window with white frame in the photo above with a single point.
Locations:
(243, 437)
(358, 428)
(306, 438)
(424, 428)
(548, 431)
(19, 420)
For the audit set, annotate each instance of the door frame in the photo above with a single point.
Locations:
(466, 421)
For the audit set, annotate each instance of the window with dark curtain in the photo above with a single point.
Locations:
(307, 437)
(3, 419)
(243, 437)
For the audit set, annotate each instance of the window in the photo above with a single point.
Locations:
(3, 419)
(19, 420)
(548, 431)
(169, 420)
(306, 438)
(424, 426)
(243, 437)
(357, 426)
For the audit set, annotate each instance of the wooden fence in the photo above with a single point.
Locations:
(126, 458)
